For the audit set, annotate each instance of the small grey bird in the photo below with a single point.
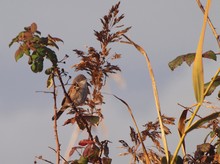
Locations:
(77, 92)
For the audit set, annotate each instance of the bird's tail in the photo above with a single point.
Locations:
(59, 113)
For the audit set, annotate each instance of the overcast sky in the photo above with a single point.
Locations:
(165, 29)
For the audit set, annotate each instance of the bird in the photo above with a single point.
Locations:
(77, 92)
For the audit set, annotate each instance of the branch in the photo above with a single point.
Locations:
(56, 152)
(55, 122)
(210, 23)
(41, 158)
(72, 105)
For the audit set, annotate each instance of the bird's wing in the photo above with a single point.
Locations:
(70, 93)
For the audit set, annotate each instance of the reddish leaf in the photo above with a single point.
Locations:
(85, 142)
(181, 126)
(71, 120)
(33, 27)
(27, 35)
(106, 160)
(18, 54)
(92, 153)
(54, 39)
(74, 149)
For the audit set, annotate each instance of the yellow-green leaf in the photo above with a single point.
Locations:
(50, 81)
(189, 58)
(18, 54)
(198, 74)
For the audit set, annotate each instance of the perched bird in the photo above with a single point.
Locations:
(77, 92)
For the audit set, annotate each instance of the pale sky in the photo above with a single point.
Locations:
(165, 29)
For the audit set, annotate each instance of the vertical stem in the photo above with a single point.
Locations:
(184, 134)
(55, 123)
(156, 97)
(198, 79)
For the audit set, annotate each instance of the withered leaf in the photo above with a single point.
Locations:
(71, 120)
(33, 27)
(19, 53)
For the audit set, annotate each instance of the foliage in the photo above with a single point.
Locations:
(189, 59)
(98, 63)
(36, 48)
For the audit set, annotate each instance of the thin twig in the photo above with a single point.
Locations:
(210, 23)
(189, 109)
(56, 152)
(45, 160)
(43, 92)
(138, 131)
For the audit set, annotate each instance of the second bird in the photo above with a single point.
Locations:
(77, 92)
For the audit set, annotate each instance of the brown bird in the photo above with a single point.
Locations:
(77, 92)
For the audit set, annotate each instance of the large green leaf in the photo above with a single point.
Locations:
(189, 58)
(202, 121)
(197, 71)
(92, 119)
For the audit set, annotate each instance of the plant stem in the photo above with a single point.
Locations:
(210, 23)
(212, 81)
(55, 123)
(156, 97)
(138, 131)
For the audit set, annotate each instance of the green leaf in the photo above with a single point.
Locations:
(34, 67)
(40, 66)
(48, 71)
(215, 84)
(34, 55)
(189, 59)
(83, 160)
(92, 119)
(51, 55)
(18, 54)
(210, 55)
(13, 41)
(212, 134)
(41, 51)
(218, 149)
(202, 121)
